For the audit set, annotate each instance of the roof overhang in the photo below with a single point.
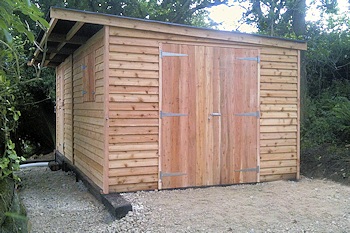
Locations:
(69, 29)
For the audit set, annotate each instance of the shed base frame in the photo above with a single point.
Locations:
(114, 202)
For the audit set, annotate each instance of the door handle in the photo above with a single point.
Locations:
(214, 114)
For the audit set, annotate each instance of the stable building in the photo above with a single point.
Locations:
(145, 105)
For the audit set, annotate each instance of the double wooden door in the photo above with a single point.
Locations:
(209, 116)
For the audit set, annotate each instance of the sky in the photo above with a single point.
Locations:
(229, 15)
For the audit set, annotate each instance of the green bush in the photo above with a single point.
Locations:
(327, 119)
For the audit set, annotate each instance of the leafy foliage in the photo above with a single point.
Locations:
(328, 119)
(328, 55)
(328, 66)
(10, 74)
(10, 19)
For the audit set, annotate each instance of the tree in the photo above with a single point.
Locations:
(284, 18)
(189, 12)
(11, 30)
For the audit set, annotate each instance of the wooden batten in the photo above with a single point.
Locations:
(258, 123)
(298, 119)
(106, 79)
(159, 112)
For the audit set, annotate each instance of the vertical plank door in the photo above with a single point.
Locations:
(209, 116)
(239, 115)
(178, 117)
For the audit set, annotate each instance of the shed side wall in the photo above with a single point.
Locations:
(89, 115)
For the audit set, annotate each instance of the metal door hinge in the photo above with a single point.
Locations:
(257, 59)
(162, 174)
(167, 54)
(254, 169)
(170, 114)
(83, 92)
(255, 114)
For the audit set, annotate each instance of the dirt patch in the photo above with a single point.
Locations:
(327, 161)
(56, 203)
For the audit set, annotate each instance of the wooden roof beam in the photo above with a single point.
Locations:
(74, 30)
(79, 40)
(52, 25)
(66, 51)
(68, 37)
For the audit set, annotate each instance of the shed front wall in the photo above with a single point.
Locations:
(134, 96)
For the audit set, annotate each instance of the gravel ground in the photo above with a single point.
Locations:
(56, 203)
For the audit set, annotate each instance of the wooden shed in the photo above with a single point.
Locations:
(145, 105)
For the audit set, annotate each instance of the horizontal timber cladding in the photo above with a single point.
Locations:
(88, 109)
(279, 114)
(133, 114)
(134, 106)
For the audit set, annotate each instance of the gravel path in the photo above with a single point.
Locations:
(56, 203)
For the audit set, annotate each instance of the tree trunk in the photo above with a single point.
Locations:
(299, 28)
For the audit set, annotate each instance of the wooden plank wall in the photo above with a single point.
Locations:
(88, 115)
(133, 113)
(279, 111)
(134, 105)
